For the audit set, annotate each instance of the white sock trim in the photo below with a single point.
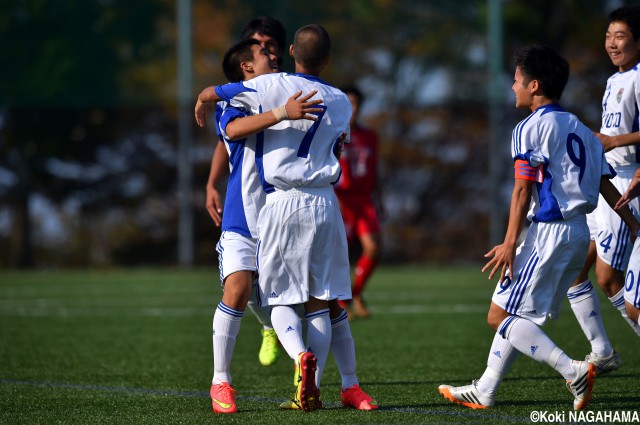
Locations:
(554, 356)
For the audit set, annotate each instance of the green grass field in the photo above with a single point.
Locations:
(134, 347)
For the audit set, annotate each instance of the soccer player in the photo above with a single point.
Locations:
(359, 198)
(610, 237)
(237, 245)
(271, 35)
(302, 253)
(559, 169)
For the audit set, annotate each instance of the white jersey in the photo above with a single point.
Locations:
(569, 158)
(293, 153)
(245, 196)
(620, 114)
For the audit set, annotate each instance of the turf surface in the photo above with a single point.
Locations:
(123, 347)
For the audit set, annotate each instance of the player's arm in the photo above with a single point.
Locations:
(612, 196)
(206, 100)
(219, 163)
(633, 191)
(503, 255)
(612, 142)
(296, 108)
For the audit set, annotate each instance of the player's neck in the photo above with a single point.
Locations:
(539, 101)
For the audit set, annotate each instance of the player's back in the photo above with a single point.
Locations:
(293, 153)
(573, 161)
(297, 153)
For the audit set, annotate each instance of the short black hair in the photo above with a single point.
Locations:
(545, 65)
(630, 15)
(268, 26)
(238, 53)
(311, 46)
(353, 90)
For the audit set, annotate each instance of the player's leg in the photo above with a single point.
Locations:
(368, 230)
(236, 255)
(614, 248)
(226, 326)
(482, 392)
(529, 339)
(586, 307)
(632, 285)
(269, 351)
(344, 353)
(612, 283)
(365, 266)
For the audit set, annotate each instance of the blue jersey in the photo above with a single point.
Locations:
(293, 153)
(245, 196)
(570, 159)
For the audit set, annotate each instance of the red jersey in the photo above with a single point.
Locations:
(359, 162)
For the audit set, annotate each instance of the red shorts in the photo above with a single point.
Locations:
(360, 217)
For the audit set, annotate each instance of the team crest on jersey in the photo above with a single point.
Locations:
(619, 95)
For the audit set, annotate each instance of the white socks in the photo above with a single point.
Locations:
(530, 340)
(343, 350)
(500, 359)
(319, 339)
(288, 327)
(618, 302)
(262, 313)
(226, 326)
(586, 307)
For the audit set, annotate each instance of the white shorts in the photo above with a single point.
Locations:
(632, 280)
(612, 240)
(302, 249)
(592, 222)
(235, 253)
(547, 262)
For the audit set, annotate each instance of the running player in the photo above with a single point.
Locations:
(272, 37)
(559, 170)
(359, 198)
(610, 237)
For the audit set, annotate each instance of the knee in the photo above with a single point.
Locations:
(493, 320)
(370, 247)
(610, 281)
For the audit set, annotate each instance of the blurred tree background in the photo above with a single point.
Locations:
(88, 117)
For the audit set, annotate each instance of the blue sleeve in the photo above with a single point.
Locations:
(217, 117)
(228, 91)
(229, 114)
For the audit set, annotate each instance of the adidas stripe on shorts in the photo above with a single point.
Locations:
(546, 264)
(612, 236)
(236, 253)
(632, 280)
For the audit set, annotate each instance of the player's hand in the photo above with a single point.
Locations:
(214, 205)
(201, 112)
(633, 191)
(302, 108)
(503, 257)
(608, 142)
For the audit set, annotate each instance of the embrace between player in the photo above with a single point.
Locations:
(286, 166)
